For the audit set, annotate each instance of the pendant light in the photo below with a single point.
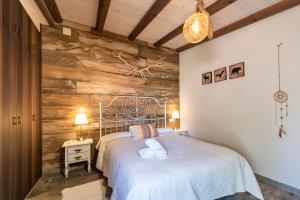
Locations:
(198, 26)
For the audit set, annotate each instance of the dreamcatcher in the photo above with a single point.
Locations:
(281, 100)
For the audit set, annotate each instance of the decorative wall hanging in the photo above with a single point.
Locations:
(207, 78)
(281, 98)
(198, 26)
(142, 71)
(237, 70)
(220, 74)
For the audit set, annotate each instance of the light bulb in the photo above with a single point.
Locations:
(196, 26)
(81, 109)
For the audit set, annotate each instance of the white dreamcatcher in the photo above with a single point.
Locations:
(281, 100)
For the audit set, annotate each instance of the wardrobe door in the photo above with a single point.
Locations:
(12, 147)
(5, 110)
(36, 103)
(24, 103)
(1, 100)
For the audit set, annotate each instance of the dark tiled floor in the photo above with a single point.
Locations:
(50, 187)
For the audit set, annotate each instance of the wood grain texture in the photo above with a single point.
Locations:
(103, 7)
(260, 15)
(20, 164)
(81, 71)
(212, 9)
(2, 182)
(155, 9)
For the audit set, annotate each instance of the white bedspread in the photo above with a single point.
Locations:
(193, 170)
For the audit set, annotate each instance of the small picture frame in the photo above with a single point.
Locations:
(220, 74)
(237, 70)
(207, 78)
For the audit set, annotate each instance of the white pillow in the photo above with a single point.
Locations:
(112, 136)
(165, 131)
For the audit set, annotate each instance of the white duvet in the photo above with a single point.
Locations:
(193, 170)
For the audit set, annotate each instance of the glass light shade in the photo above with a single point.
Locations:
(196, 27)
(175, 115)
(81, 118)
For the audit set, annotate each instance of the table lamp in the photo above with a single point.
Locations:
(175, 116)
(80, 120)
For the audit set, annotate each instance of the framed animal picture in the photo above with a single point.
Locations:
(207, 78)
(220, 74)
(237, 70)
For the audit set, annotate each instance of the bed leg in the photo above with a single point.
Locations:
(108, 192)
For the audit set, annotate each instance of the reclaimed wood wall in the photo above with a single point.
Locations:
(80, 71)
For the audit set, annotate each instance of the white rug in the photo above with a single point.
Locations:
(89, 191)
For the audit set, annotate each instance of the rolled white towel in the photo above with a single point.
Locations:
(158, 150)
(146, 153)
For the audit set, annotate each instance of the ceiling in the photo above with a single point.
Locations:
(123, 16)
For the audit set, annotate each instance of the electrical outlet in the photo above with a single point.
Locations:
(67, 31)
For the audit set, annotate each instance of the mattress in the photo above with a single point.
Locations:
(193, 170)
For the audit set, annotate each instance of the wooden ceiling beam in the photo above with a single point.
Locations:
(42, 6)
(155, 9)
(212, 9)
(103, 8)
(262, 14)
(54, 11)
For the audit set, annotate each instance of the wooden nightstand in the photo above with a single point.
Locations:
(182, 132)
(77, 151)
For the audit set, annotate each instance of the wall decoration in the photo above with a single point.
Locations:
(281, 98)
(236, 70)
(207, 78)
(220, 74)
(143, 70)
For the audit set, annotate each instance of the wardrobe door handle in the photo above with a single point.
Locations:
(19, 120)
(14, 120)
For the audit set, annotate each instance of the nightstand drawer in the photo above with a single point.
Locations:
(78, 157)
(78, 149)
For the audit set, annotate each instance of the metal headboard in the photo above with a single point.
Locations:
(124, 111)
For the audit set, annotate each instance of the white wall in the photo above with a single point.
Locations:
(240, 113)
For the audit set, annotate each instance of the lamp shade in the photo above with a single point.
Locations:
(196, 27)
(175, 115)
(81, 118)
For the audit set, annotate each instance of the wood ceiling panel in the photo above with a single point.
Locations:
(173, 15)
(228, 15)
(79, 11)
(178, 41)
(123, 16)
(239, 10)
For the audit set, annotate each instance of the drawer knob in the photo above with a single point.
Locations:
(77, 150)
(77, 157)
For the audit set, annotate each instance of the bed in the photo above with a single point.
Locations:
(193, 169)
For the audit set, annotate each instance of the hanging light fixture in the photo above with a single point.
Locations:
(198, 26)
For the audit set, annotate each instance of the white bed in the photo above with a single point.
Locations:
(193, 170)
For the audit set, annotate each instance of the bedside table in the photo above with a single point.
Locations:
(182, 132)
(77, 151)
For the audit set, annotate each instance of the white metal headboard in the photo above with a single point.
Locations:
(124, 111)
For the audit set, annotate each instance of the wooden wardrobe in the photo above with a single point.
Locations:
(20, 102)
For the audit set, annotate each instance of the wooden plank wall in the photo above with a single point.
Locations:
(80, 71)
